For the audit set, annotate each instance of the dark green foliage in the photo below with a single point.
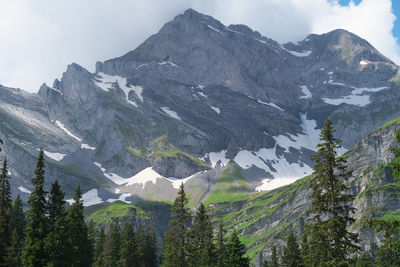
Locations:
(220, 247)
(99, 248)
(274, 261)
(395, 162)
(291, 253)
(17, 218)
(128, 247)
(150, 258)
(364, 261)
(56, 240)
(112, 245)
(17, 226)
(175, 248)
(236, 250)
(388, 253)
(328, 239)
(13, 251)
(78, 252)
(5, 209)
(36, 228)
(202, 246)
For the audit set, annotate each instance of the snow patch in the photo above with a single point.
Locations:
(62, 127)
(270, 104)
(268, 159)
(168, 63)
(121, 198)
(297, 54)
(363, 62)
(176, 182)
(58, 91)
(107, 82)
(218, 157)
(356, 98)
(171, 113)
(86, 146)
(306, 92)
(269, 184)
(216, 109)
(54, 156)
(24, 190)
(202, 94)
(91, 198)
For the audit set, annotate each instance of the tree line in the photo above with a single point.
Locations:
(51, 234)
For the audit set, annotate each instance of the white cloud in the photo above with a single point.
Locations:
(38, 38)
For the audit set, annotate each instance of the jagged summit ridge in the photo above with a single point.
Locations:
(193, 99)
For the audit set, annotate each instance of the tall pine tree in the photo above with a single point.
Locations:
(112, 245)
(36, 228)
(150, 258)
(330, 243)
(220, 245)
(128, 247)
(56, 240)
(395, 162)
(202, 242)
(78, 244)
(291, 253)
(17, 226)
(175, 249)
(5, 210)
(99, 248)
(235, 252)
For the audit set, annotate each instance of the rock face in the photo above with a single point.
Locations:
(192, 98)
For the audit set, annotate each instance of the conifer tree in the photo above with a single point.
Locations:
(150, 258)
(5, 210)
(34, 253)
(17, 226)
(91, 242)
(56, 240)
(175, 249)
(128, 247)
(395, 162)
(113, 245)
(202, 245)
(235, 252)
(77, 232)
(291, 253)
(17, 219)
(274, 262)
(388, 253)
(99, 248)
(220, 247)
(329, 240)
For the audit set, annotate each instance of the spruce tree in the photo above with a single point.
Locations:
(77, 232)
(113, 245)
(388, 253)
(395, 162)
(291, 253)
(99, 248)
(235, 252)
(220, 247)
(5, 210)
(34, 253)
(56, 240)
(274, 261)
(150, 258)
(17, 226)
(202, 245)
(175, 249)
(330, 243)
(17, 219)
(128, 247)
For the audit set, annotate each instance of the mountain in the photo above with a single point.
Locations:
(195, 102)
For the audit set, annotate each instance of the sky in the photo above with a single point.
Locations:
(39, 38)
